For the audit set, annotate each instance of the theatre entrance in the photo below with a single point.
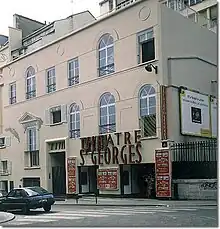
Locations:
(87, 179)
(138, 180)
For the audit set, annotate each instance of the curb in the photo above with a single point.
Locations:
(138, 205)
(9, 219)
(118, 205)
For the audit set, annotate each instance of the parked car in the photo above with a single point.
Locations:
(27, 198)
(3, 193)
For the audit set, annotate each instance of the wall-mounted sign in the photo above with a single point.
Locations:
(163, 172)
(71, 174)
(107, 179)
(214, 116)
(195, 113)
(117, 148)
(163, 107)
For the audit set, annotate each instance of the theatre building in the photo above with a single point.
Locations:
(84, 112)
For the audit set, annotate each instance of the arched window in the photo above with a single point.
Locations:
(74, 124)
(106, 55)
(30, 83)
(147, 101)
(107, 114)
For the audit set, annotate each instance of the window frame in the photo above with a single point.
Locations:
(108, 125)
(30, 88)
(32, 146)
(50, 80)
(12, 96)
(74, 79)
(107, 68)
(74, 132)
(146, 40)
(143, 118)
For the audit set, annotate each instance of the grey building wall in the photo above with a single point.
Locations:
(180, 37)
(27, 25)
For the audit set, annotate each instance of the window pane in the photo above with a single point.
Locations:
(77, 117)
(111, 119)
(152, 110)
(103, 120)
(103, 111)
(102, 54)
(111, 110)
(152, 101)
(102, 62)
(143, 112)
(77, 125)
(143, 103)
(110, 60)
(110, 51)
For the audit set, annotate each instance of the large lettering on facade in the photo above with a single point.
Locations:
(112, 148)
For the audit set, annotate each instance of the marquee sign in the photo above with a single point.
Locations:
(111, 149)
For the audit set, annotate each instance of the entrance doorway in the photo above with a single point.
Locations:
(58, 173)
(87, 179)
(144, 182)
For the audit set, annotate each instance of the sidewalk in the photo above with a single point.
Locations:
(87, 201)
(6, 217)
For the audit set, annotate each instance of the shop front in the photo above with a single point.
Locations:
(112, 165)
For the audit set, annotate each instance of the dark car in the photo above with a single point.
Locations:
(27, 198)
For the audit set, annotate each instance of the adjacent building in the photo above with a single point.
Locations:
(85, 111)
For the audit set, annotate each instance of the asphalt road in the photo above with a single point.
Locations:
(96, 216)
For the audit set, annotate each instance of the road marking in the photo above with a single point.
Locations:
(31, 219)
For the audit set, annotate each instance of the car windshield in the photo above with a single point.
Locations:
(37, 191)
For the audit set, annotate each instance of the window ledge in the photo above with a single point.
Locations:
(149, 138)
(30, 168)
(148, 62)
(56, 124)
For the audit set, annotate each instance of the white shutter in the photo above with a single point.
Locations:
(37, 139)
(7, 141)
(47, 117)
(9, 167)
(63, 113)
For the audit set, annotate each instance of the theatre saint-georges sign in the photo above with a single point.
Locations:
(112, 148)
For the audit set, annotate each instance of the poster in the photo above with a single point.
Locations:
(163, 107)
(195, 113)
(163, 173)
(108, 179)
(214, 115)
(71, 174)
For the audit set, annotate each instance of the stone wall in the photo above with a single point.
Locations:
(196, 189)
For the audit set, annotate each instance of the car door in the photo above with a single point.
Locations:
(7, 203)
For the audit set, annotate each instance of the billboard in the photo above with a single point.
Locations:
(195, 113)
(214, 115)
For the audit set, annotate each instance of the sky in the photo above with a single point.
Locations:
(43, 10)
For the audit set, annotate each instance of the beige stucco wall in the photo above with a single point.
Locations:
(87, 93)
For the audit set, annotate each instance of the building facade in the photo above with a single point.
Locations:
(83, 114)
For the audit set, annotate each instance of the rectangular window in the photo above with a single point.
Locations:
(32, 138)
(31, 87)
(4, 166)
(146, 46)
(56, 115)
(51, 80)
(213, 15)
(194, 2)
(34, 158)
(12, 93)
(73, 72)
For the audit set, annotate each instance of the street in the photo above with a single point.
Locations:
(95, 216)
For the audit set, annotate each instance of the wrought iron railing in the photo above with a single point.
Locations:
(195, 151)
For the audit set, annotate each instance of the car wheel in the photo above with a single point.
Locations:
(26, 210)
(47, 208)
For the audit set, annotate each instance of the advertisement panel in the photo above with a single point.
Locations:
(214, 116)
(163, 172)
(108, 179)
(71, 174)
(195, 113)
